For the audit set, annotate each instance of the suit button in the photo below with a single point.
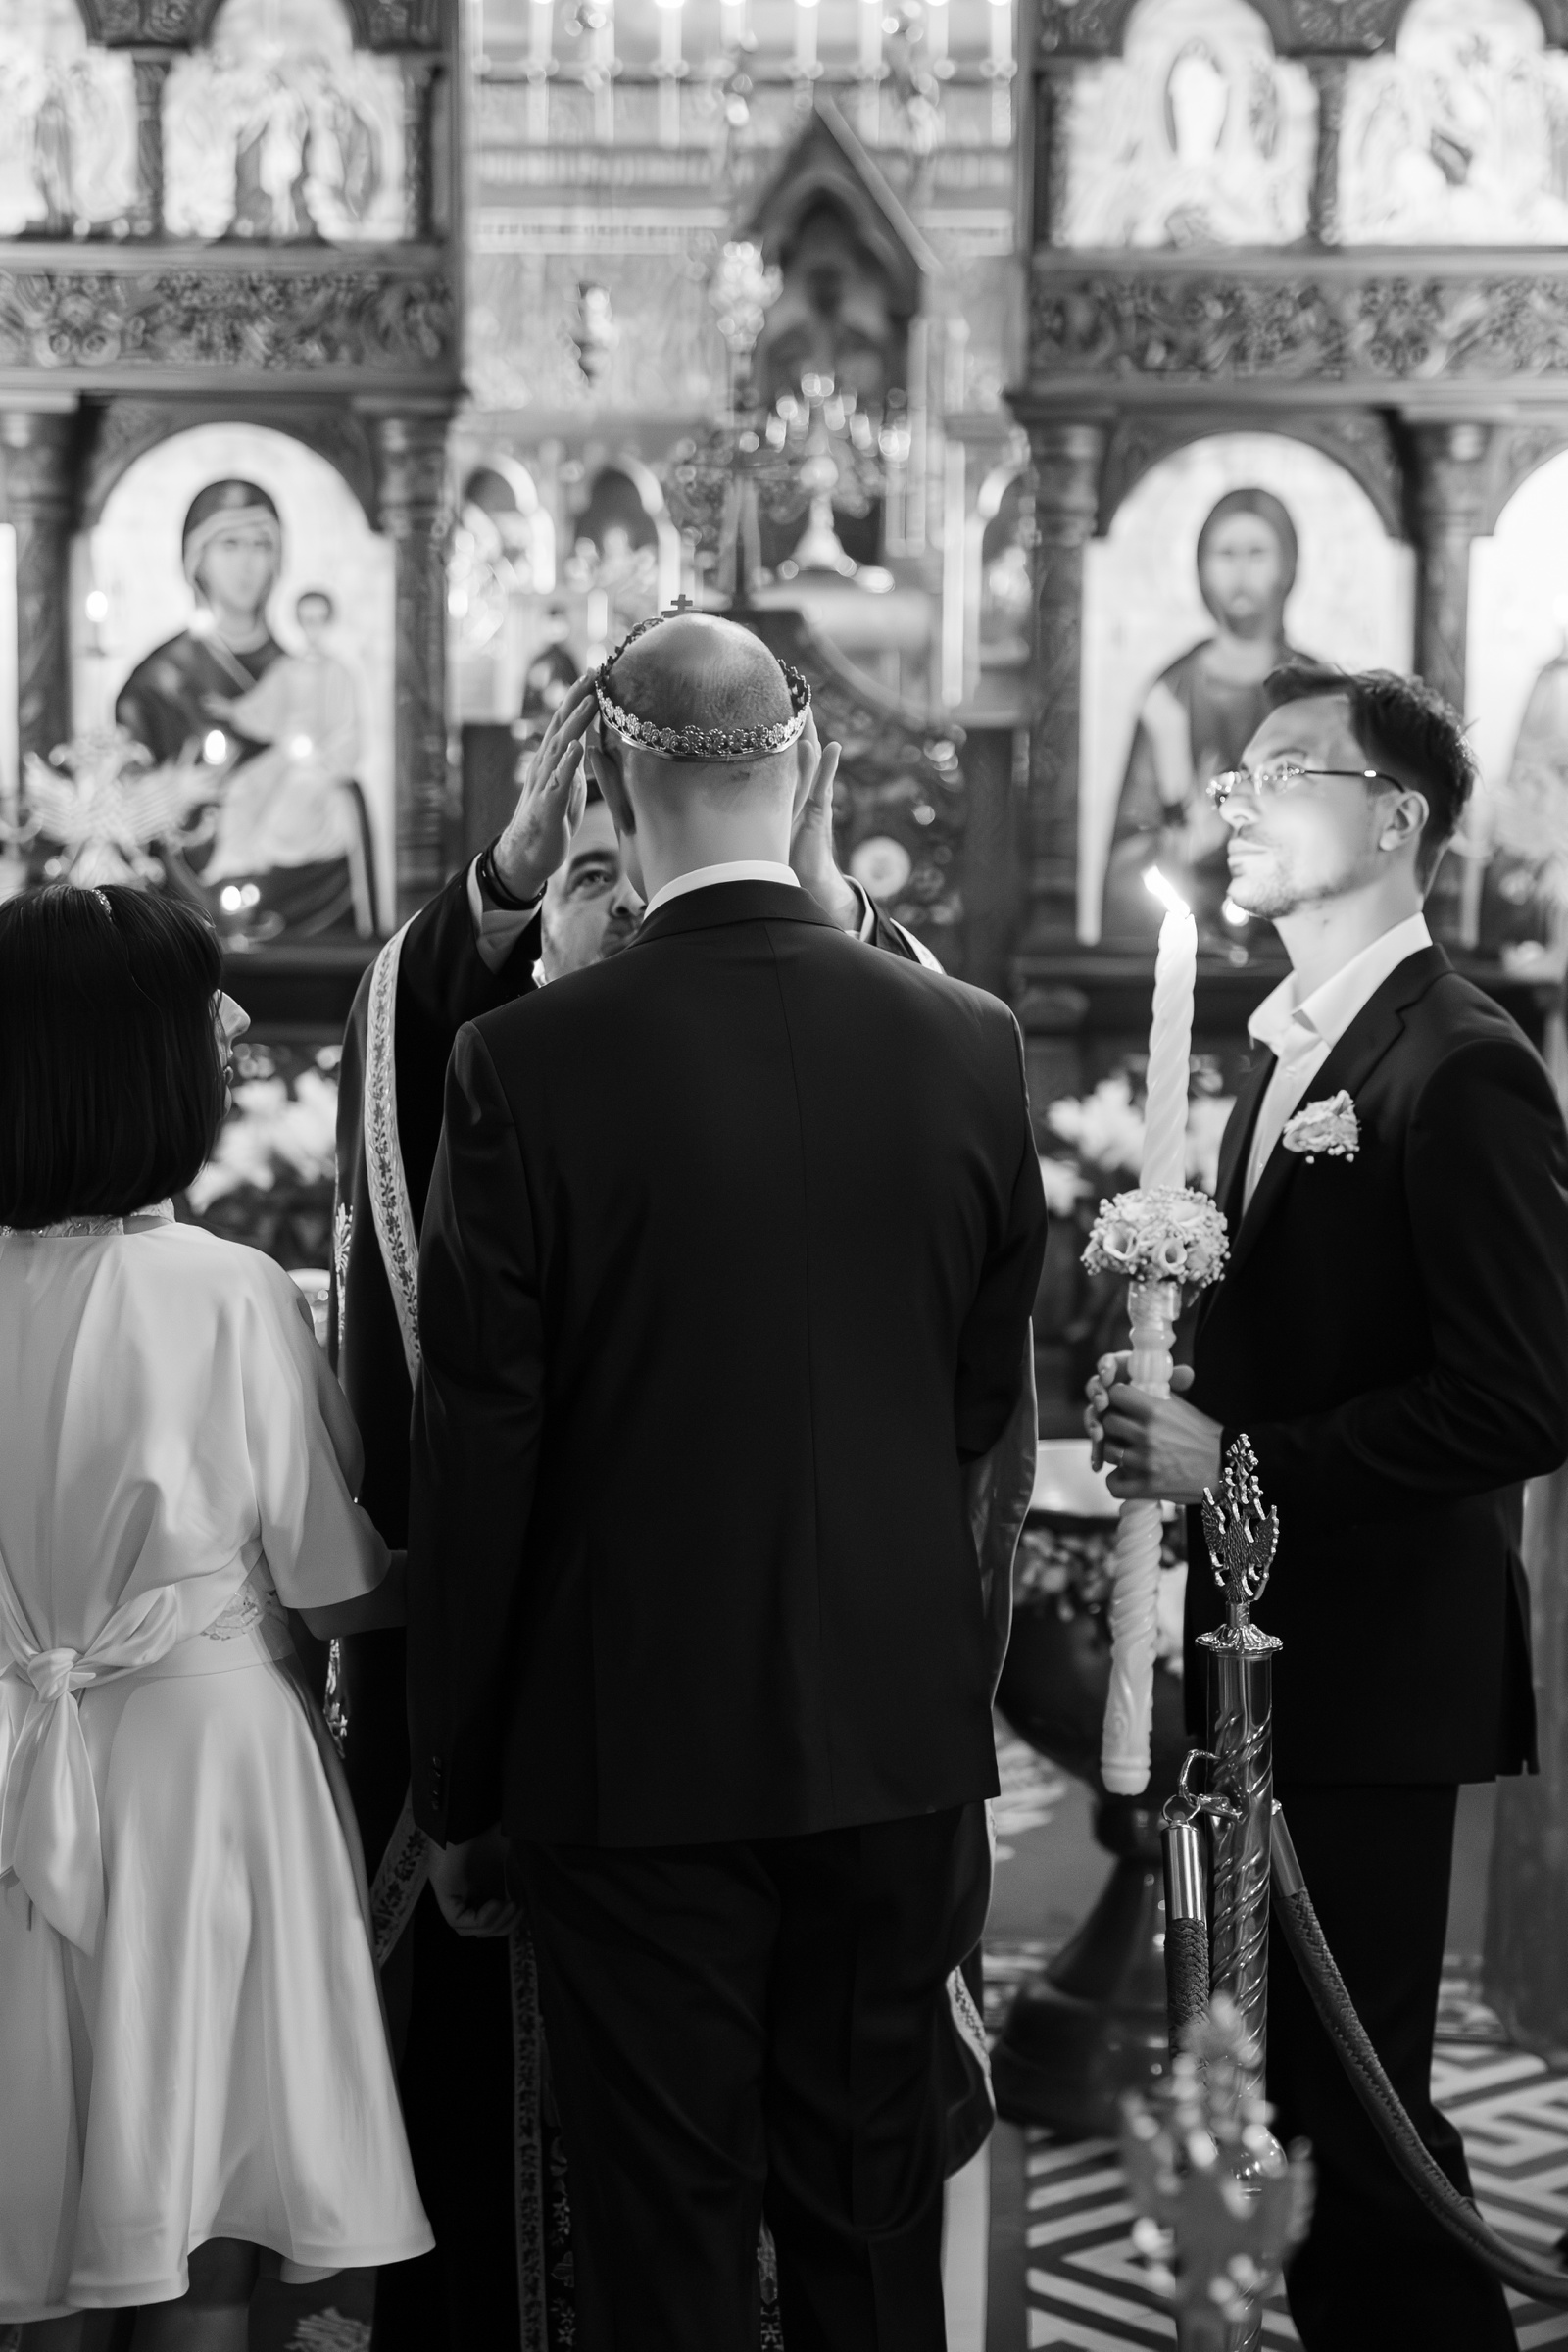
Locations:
(437, 1774)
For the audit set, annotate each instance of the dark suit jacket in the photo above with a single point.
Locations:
(1391, 1333)
(443, 981)
(727, 1267)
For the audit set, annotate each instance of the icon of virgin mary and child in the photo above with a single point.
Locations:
(1195, 721)
(268, 740)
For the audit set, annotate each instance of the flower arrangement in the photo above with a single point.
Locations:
(270, 1177)
(1158, 1235)
(1070, 1569)
(1093, 1147)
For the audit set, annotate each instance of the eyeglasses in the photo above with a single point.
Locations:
(1270, 783)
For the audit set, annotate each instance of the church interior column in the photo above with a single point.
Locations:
(152, 73)
(1052, 96)
(418, 185)
(412, 449)
(1451, 479)
(1330, 76)
(1067, 456)
(36, 453)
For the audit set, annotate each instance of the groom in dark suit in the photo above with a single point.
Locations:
(1391, 1333)
(725, 1280)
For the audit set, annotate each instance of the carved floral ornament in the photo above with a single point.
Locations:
(1198, 329)
(256, 321)
(185, 24)
(1069, 29)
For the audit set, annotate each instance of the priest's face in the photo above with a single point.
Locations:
(590, 911)
(1319, 839)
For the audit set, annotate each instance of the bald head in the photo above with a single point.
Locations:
(674, 815)
(696, 671)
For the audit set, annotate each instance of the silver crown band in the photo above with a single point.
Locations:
(700, 743)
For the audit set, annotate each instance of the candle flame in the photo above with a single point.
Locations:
(1157, 885)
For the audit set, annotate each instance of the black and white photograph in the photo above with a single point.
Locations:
(783, 1175)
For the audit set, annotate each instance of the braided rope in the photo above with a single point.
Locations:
(1420, 2169)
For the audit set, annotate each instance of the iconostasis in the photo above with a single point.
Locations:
(1297, 333)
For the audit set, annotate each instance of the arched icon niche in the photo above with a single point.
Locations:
(232, 611)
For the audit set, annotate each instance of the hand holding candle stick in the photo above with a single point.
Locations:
(1162, 1237)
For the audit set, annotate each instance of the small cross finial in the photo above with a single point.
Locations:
(682, 604)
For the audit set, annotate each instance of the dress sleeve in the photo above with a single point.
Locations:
(306, 1457)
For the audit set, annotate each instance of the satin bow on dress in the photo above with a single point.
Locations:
(50, 1838)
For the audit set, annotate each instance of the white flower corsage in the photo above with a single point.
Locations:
(1158, 1235)
(1328, 1127)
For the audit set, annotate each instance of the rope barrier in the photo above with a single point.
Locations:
(1425, 2177)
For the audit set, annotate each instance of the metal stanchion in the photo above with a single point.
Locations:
(1220, 2202)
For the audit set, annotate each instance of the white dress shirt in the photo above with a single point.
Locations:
(498, 929)
(734, 869)
(1303, 1034)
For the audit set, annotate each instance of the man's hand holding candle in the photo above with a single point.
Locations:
(1160, 1449)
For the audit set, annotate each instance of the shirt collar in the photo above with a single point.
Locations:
(1282, 1024)
(736, 870)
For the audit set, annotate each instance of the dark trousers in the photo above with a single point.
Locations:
(455, 2078)
(742, 2028)
(1376, 2271)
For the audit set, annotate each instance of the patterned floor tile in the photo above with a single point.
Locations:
(1066, 2273)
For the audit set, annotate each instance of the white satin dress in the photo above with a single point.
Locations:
(191, 2038)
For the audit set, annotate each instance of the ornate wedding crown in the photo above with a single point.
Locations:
(698, 743)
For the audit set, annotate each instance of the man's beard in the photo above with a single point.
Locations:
(617, 935)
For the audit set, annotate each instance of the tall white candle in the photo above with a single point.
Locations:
(805, 64)
(1170, 1041)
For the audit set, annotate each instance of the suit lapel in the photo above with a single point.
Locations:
(1348, 1066)
(1236, 1142)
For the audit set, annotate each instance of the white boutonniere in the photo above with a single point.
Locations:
(1328, 1127)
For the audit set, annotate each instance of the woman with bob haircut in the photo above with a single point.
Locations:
(195, 2085)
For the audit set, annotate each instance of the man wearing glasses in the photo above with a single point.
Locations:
(1391, 1333)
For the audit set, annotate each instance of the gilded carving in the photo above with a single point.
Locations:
(127, 428)
(162, 23)
(1081, 27)
(1207, 330)
(1516, 454)
(182, 24)
(399, 24)
(1344, 25)
(1358, 438)
(254, 320)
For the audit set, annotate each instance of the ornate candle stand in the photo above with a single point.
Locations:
(1242, 1538)
(1220, 2202)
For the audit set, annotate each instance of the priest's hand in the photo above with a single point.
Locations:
(1160, 1449)
(811, 842)
(550, 802)
(470, 1883)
